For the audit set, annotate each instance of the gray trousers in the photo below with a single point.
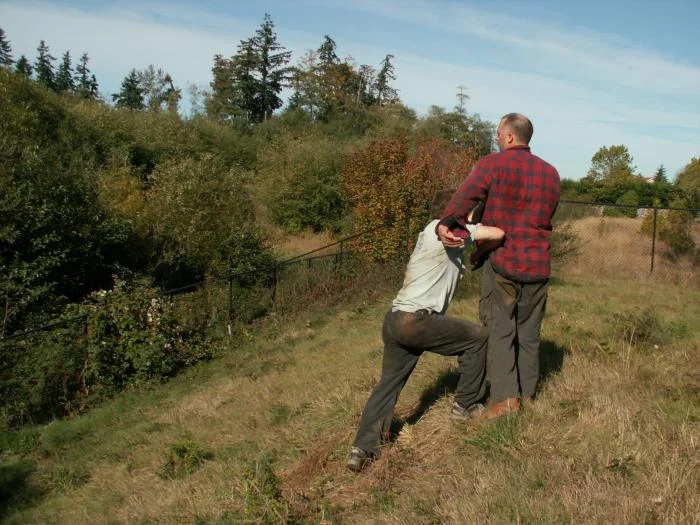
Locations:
(513, 312)
(406, 336)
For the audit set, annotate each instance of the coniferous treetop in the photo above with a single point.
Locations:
(5, 51)
(131, 95)
(64, 76)
(44, 66)
(23, 67)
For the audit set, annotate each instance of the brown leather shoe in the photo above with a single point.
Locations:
(500, 409)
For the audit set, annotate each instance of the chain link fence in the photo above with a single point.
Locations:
(627, 243)
(589, 241)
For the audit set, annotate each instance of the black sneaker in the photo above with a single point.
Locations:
(357, 458)
(459, 413)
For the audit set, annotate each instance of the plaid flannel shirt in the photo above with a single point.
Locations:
(522, 193)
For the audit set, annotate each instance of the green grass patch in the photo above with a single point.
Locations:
(495, 436)
(261, 493)
(16, 489)
(182, 459)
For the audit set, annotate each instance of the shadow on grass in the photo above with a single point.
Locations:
(15, 489)
(551, 360)
(444, 383)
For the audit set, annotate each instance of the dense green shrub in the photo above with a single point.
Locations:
(302, 181)
(200, 212)
(675, 232)
(630, 201)
(56, 242)
(674, 228)
(570, 212)
(127, 335)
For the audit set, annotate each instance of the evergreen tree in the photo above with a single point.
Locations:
(385, 93)
(23, 67)
(5, 51)
(246, 99)
(248, 84)
(172, 94)
(462, 97)
(220, 103)
(131, 94)
(271, 70)
(94, 88)
(86, 84)
(660, 176)
(64, 77)
(44, 66)
(326, 53)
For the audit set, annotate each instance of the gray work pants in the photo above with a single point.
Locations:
(406, 336)
(513, 312)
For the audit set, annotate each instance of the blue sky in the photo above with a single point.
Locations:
(588, 73)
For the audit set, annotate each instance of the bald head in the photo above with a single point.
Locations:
(519, 126)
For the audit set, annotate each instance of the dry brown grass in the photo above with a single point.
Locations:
(615, 248)
(292, 246)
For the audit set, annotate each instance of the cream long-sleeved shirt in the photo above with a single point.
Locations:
(432, 274)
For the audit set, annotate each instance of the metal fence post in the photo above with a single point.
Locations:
(653, 240)
(308, 273)
(230, 304)
(339, 259)
(407, 246)
(274, 283)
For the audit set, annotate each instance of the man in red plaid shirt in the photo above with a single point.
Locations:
(521, 193)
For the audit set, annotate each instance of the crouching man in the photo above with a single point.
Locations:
(417, 323)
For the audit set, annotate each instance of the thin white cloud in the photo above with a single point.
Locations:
(566, 51)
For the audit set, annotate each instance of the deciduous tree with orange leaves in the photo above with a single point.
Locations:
(391, 182)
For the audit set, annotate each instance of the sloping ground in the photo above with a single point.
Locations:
(260, 436)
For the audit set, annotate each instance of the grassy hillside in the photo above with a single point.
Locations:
(260, 436)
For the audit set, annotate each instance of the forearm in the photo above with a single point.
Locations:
(472, 190)
(488, 233)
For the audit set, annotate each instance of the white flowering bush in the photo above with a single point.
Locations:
(133, 335)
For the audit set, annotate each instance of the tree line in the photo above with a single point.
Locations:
(613, 179)
(63, 78)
